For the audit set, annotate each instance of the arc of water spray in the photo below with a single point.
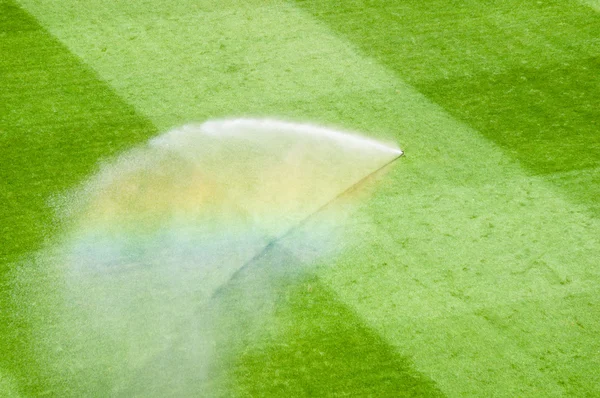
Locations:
(273, 242)
(182, 217)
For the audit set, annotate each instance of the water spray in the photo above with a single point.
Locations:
(157, 233)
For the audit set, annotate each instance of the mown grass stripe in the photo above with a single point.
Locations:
(175, 69)
(546, 116)
(525, 75)
(558, 335)
(57, 120)
(595, 4)
(307, 342)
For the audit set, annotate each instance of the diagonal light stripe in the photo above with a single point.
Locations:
(195, 61)
(595, 4)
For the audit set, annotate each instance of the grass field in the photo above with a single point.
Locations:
(472, 268)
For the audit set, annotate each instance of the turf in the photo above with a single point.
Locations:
(308, 356)
(72, 109)
(57, 121)
(595, 4)
(524, 75)
(472, 270)
(306, 343)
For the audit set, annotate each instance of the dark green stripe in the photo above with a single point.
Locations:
(324, 350)
(57, 119)
(525, 74)
(547, 117)
(290, 336)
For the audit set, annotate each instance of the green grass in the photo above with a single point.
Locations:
(322, 348)
(306, 343)
(472, 269)
(595, 4)
(58, 119)
(524, 75)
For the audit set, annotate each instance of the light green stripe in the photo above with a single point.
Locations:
(188, 62)
(7, 386)
(453, 202)
(595, 4)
